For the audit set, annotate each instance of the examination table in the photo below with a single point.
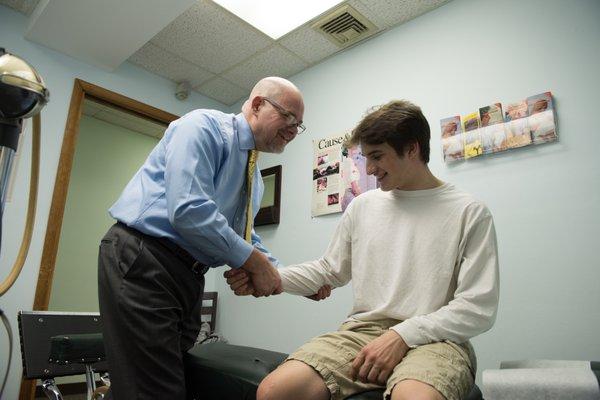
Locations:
(220, 371)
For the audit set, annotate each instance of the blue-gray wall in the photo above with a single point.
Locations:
(545, 199)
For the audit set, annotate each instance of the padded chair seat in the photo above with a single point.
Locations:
(220, 371)
(81, 348)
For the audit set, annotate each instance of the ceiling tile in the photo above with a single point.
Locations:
(211, 37)
(222, 90)
(309, 44)
(23, 6)
(313, 47)
(276, 61)
(394, 12)
(168, 65)
(374, 17)
(103, 33)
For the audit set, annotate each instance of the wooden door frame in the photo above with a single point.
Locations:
(81, 91)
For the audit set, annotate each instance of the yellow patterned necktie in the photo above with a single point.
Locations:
(252, 156)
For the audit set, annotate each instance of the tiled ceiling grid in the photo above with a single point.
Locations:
(222, 56)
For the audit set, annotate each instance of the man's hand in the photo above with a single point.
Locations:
(262, 277)
(377, 360)
(323, 293)
(239, 281)
(263, 282)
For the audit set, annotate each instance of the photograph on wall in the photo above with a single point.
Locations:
(327, 169)
(493, 137)
(353, 174)
(472, 136)
(542, 118)
(452, 139)
(326, 175)
(339, 175)
(516, 125)
(321, 184)
(333, 199)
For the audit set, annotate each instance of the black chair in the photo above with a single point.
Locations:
(61, 344)
(70, 343)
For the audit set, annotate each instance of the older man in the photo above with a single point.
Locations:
(190, 207)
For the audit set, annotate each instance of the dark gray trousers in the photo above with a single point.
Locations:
(150, 305)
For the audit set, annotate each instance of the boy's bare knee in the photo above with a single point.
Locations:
(415, 390)
(292, 380)
(267, 390)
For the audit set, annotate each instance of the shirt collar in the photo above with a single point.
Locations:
(245, 135)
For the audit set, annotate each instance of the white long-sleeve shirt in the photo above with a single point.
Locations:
(427, 258)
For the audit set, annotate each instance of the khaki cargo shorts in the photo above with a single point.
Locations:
(448, 367)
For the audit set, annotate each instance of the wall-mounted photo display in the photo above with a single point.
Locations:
(472, 137)
(493, 136)
(542, 119)
(496, 128)
(339, 175)
(516, 125)
(452, 139)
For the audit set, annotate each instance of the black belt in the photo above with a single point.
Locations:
(194, 265)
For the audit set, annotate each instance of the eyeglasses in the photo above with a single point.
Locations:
(290, 118)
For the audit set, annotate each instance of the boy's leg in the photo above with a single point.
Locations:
(324, 364)
(293, 380)
(443, 370)
(410, 389)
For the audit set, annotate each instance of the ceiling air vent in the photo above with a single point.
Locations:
(345, 26)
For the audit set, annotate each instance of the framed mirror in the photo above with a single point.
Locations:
(269, 206)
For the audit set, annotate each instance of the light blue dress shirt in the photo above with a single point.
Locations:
(192, 189)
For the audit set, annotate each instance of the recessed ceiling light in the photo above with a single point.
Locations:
(277, 17)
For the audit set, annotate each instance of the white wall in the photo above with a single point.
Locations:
(59, 72)
(545, 199)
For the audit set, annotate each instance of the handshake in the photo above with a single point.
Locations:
(258, 277)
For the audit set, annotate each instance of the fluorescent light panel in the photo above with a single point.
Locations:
(277, 17)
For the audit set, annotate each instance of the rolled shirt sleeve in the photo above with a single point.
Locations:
(334, 268)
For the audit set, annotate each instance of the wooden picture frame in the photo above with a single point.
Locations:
(270, 205)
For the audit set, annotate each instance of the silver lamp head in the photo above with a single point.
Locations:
(22, 90)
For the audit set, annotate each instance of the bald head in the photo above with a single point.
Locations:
(274, 110)
(275, 88)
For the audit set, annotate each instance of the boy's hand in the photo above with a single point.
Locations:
(376, 361)
(323, 293)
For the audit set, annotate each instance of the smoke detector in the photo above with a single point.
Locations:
(183, 90)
